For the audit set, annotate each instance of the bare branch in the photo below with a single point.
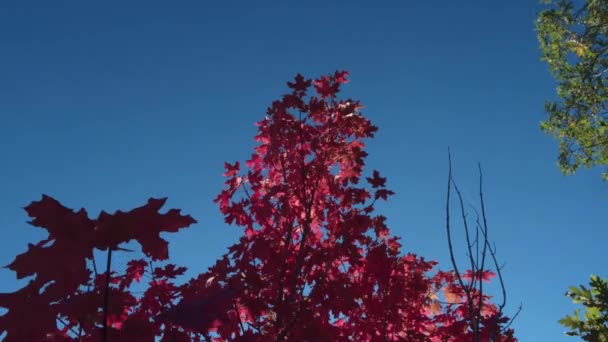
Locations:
(474, 290)
(466, 289)
(463, 214)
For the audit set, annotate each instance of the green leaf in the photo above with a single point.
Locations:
(593, 326)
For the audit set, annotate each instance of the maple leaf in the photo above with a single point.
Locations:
(61, 223)
(201, 312)
(64, 269)
(326, 87)
(25, 306)
(376, 181)
(138, 327)
(383, 194)
(485, 275)
(340, 76)
(143, 224)
(450, 296)
(169, 271)
(135, 270)
(433, 309)
(300, 83)
(158, 295)
(231, 170)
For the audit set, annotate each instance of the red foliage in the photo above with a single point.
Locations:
(314, 262)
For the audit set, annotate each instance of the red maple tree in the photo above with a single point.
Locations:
(314, 263)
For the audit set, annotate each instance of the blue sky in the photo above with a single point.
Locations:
(105, 104)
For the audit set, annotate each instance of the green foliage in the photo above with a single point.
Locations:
(573, 37)
(593, 326)
(574, 43)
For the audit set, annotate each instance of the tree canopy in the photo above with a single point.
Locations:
(315, 262)
(574, 43)
(573, 38)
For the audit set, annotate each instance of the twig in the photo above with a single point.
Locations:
(67, 325)
(449, 234)
(238, 314)
(106, 299)
(484, 251)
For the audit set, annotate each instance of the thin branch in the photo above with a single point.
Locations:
(79, 329)
(498, 268)
(449, 234)
(477, 259)
(106, 299)
(236, 308)
(513, 318)
(477, 229)
(94, 265)
(70, 327)
(485, 245)
(466, 230)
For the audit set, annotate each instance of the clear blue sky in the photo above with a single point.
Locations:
(104, 105)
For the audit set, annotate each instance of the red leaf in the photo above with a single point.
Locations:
(24, 307)
(62, 265)
(201, 312)
(61, 223)
(376, 181)
(135, 270)
(143, 224)
(300, 83)
(169, 271)
(383, 194)
(486, 275)
(231, 170)
(340, 76)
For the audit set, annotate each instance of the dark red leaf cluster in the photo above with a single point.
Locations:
(64, 300)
